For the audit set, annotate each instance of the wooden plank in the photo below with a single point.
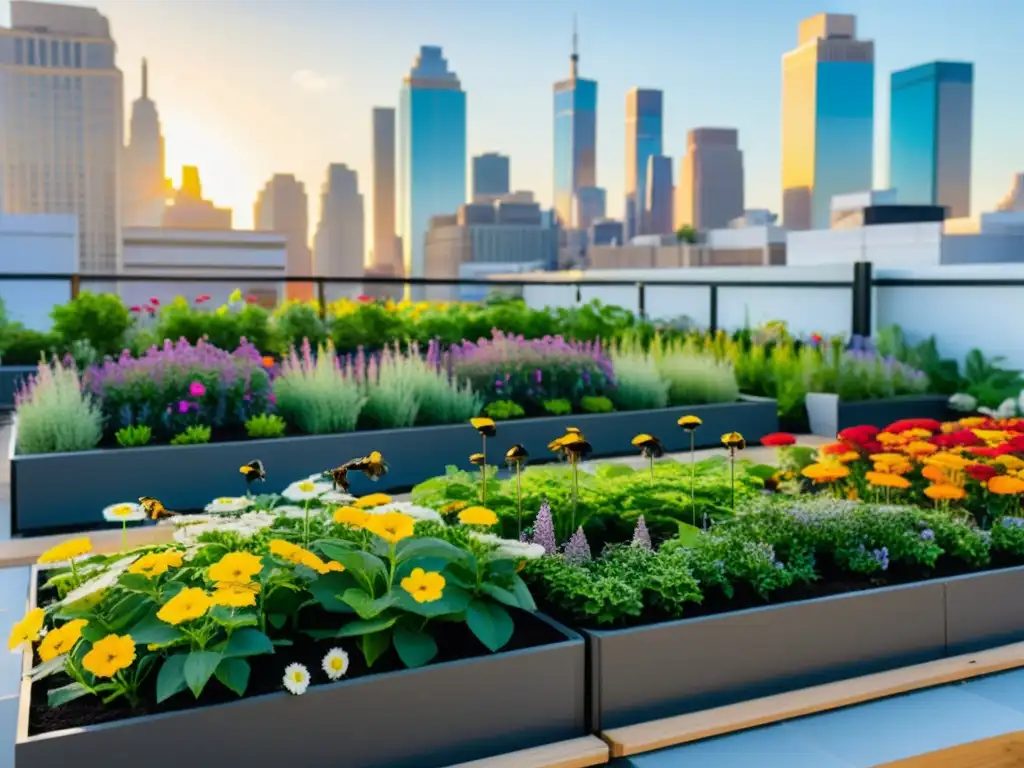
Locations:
(575, 753)
(670, 731)
(997, 752)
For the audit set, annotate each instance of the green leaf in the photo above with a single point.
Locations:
(612, 471)
(410, 548)
(490, 623)
(129, 612)
(375, 645)
(152, 631)
(199, 668)
(453, 600)
(231, 618)
(328, 589)
(360, 627)
(234, 674)
(136, 582)
(47, 668)
(365, 606)
(247, 642)
(63, 695)
(415, 647)
(93, 632)
(277, 620)
(171, 677)
(500, 594)
(523, 593)
(359, 564)
(761, 471)
(688, 534)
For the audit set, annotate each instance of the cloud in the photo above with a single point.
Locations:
(308, 80)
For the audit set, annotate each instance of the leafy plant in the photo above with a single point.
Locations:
(502, 410)
(133, 436)
(56, 413)
(596, 404)
(264, 426)
(557, 407)
(638, 384)
(297, 322)
(314, 395)
(25, 346)
(98, 318)
(194, 435)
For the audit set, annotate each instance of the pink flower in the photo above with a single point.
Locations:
(364, 298)
(154, 301)
(273, 398)
(148, 309)
(202, 298)
(183, 406)
(135, 309)
(251, 299)
(196, 389)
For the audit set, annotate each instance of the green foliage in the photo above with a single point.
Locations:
(133, 436)
(557, 407)
(502, 410)
(1008, 536)
(686, 234)
(298, 321)
(224, 327)
(194, 435)
(98, 318)
(638, 384)
(24, 346)
(315, 396)
(596, 404)
(56, 415)
(671, 371)
(986, 380)
(265, 425)
(943, 374)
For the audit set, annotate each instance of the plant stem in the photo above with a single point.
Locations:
(651, 457)
(305, 527)
(693, 481)
(124, 536)
(732, 479)
(519, 498)
(483, 474)
(575, 495)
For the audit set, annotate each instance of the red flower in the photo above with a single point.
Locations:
(202, 298)
(364, 298)
(906, 424)
(837, 448)
(959, 439)
(981, 472)
(872, 446)
(778, 439)
(1017, 443)
(816, 338)
(136, 308)
(251, 299)
(149, 309)
(154, 301)
(858, 435)
(988, 453)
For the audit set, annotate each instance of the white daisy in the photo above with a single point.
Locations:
(296, 679)
(99, 583)
(509, 549)
(228, 504)
(306, 490)
(335, 663)
(126, 512)
(181, 521)
(337, 497)
(256, 521)
(292, 511)
(414, 511)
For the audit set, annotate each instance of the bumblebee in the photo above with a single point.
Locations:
(154, 509)
(253, 471)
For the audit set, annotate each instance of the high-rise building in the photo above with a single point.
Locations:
(710, 190)
(144, 187)
(590, 204)
(282, 207)
(658, 197)
(189, 210)
(643, 139)
(432, 152)
(338, 246)
(828, 118)
(387, 255)
(575, 137)
(490, 177)
(930, 135)
(61, 123)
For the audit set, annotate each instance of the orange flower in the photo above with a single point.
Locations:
(915, 434)
(944, 492)
(887, 480)
(891, 463)
(1010, 462)
(1004, 485)
(950, 461)
(268, 361)
(825, 473)
(920, 448)
(933, 473)
(834, 448)
(970, 422)
(890, 440)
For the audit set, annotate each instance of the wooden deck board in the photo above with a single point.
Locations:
(575, 753)
(998, 752)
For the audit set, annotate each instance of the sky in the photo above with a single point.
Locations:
(249, 88)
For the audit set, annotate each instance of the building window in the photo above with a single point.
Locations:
(78, 55)
(19, 51)
(42, 53)
(67, 54)
(31, 52)
(54, 53)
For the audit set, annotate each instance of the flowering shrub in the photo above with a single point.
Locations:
(56, 413)
(226, 326)
(178, 385)
(315, 395)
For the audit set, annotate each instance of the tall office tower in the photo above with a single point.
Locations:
(643, 140)
(281, 206)
(387, 255)
(189, 210)
(339, 246)
(930, 135)
(490, 177)
(575, 137)
(828, 114)
(590, 204)
(658, 197)
(432, 153)
(144, 188)
(61, 123)
(710, 191)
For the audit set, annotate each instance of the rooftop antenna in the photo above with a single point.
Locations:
(575, 58)
(145, 79)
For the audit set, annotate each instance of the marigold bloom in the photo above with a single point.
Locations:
(944, 492)
(835, 448)
(424, 586)
(887, 480)
(1004, 485)
(905, 425)
(477, 516)
(110, 655)
(933, 473)
(236, 568)
(372, 500)
(859, 435)
(972, 422)
(189, 604)
(391, 526)
(825, 473)
(948, 460)
(67, 550)
(920, 448)
(1010, 462)
(350, 516)
(61, 640)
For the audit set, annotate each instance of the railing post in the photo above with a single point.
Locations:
(862, 288)
(579, 293)
(641, 300)
(713, 308)
(76, 285)
(321, 297)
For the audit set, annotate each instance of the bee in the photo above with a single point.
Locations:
(253, 471)
(372, 466)
(154, 509)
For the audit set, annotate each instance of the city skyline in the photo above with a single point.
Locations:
(323, 96)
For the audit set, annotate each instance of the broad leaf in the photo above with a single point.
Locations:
(688, 534)
(63, 695)
(199, 668)
(365, 606)
(500, 594)
(232, 618)
(761, 471)
(136, 582)
(171, 677)
(362, 565)
(129, 612)
(375, 645)
(612, 471)
(328, 589)
(414, 646)
(523, 593)
(411, 548)
(234, 674)
(490, 623)
(277, 620)
(453, 600)
(358, 627)
(47, 668)
(247, 642)
(152, 631)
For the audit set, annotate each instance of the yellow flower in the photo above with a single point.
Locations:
(1010, 462)
(189, 604)
(484, 426)
(110, 655)
(27, 630)
(351, 516)
(477, 516)
(235, 567)
(235, 595)
(920, 448)
(733, 441)
(173, 558)
(916, 434)
(391, 526)
(334, 565)
(886, 480)
(950, 461)
(155, 563)
(424, 586)
(970, 422)
(689, 423)
(825, 473)
(66, 551)
(372, 500)
(454, 506)
(944, 492)
(992, 437)
(1004, 485)
(286, 550)
(61, 640)
(890, 439)
(313, 562)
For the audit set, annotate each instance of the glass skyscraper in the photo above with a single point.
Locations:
(828, 111)
(575, 139)
(431, 152)
(643, 141)
(490, 176)
(930, 135)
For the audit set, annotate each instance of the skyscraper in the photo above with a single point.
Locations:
(590, 204)
(281, 206)
(189, 210)
(338, 246)
(387, 258)
(658, 197)
(144, 187)
(61, 123)
(432, 152)
(575, 137)
(490, 177)
(828, 112)
(643, 139)
(710, 191)
(930, 135)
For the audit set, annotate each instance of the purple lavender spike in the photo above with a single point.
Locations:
(544, 529)
(641, 536)
(577, 550)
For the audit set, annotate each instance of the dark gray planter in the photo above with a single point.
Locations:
(11, 379)
(423, 718)
(984, 610)
(828, 415)
(693, 664)
(189, 477)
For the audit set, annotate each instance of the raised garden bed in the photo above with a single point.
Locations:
(828, 415)
(11, 379)
(188, 477)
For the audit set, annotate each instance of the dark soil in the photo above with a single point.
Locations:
(455, 642)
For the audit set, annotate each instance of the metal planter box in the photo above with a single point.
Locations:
(11, 379)
(693, 664)
(828, 415)
(984, 610)
(188, 477)
(422, 718)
